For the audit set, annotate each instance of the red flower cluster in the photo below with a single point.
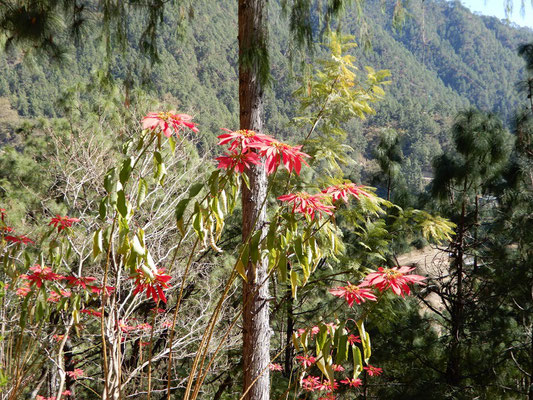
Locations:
(243, 139)
(40, 274)
(395, 278)
(370, 370)
(55, 297)
(307, 204)
(353, 382)
(342, 191)
(354, 339)
(312, 383)
(238, 161)
(247, 146)
(337, 367)
(353, 293)
(18, 239)
(124, 327)
(81, 281)
(89, 311)
(76, 374)
(164, 121)
(276, 152)
(154, 286)
(275, 367)
(306, 361)
(61, 222)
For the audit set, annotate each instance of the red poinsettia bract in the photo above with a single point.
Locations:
(76, 374)
(354, 339)
(276, 152)
(275, 367)
(238, 161)
(40, 274)
(62, 222)
(164, 121)
(82, 281)
(371, 370)
(154, 286)
(353, 293)
(354, 382)
(306, 361)
(398, 279)
(18, 239)
(342, 191)
(243, 139)
(307, 204)
(311, 383)
(326, 384)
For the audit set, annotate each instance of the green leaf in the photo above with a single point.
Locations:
(282, 266)
(142, 190)
(180, 208)
(342, 349)
(365, 340)
(108, 180)
(195, 189)
(254, 247)
(172, 143)
(357, 361)
(321, 337)
(97, 243)
(102, 209)
(324, 364)
(137, 247)
(241, 270)
(198, 222)
(245, 254)
(125, 170)
(294, 283)
(121, 203)
(213, 182)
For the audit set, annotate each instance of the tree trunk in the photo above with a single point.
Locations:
(256, 330)
(453, 369)
(290, 329)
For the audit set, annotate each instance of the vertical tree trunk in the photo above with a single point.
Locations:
(453, 369)
(256, 330)
(290, 329)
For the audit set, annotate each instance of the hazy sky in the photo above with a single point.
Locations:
(496, 8)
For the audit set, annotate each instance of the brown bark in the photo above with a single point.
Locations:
(256, 330)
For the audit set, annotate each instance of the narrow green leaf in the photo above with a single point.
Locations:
(142, 190)
(108, 180)
(121, 203)
(294, 283)
(241, 270)
(282, 267)
(172, 143)
(97, 243)
(125, 170)
(342, 349)
(102, 209)
(357, 361)
(137, 247)
(195, 189)
(180, 208)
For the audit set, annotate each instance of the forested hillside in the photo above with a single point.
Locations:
(442, 58)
